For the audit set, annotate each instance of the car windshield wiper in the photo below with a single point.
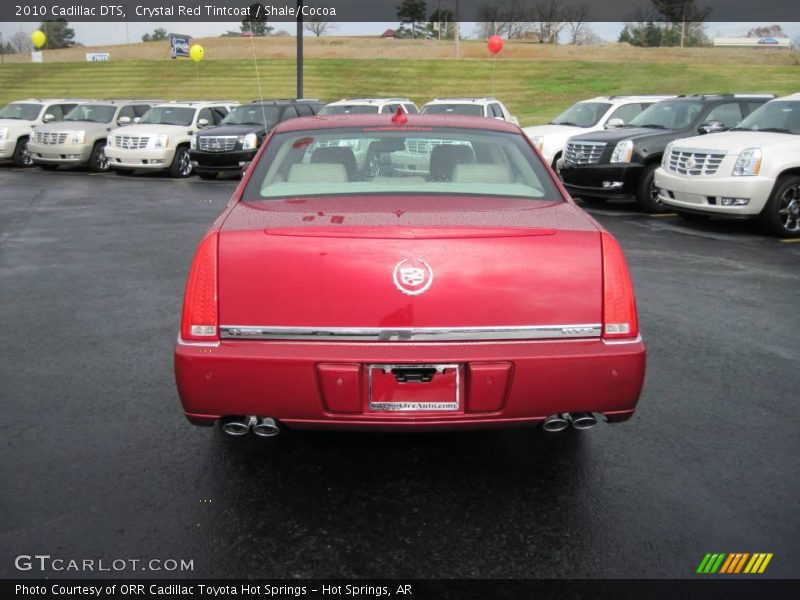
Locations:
(568, 123)
(651, 126)
(773, 130)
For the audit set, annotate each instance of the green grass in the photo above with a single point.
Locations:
(534, 90)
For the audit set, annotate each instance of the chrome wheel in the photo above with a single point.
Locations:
(25, 156)
(102, 161)
(789, 209)
(185, 164)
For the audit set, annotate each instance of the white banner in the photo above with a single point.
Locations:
(98, 56)
(37, 56)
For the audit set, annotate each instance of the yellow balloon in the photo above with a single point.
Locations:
(38, 38)
(196, 53)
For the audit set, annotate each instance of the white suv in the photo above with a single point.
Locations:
(18, 119)
(368, 106)
(594, 114)
(475, 107)
(752, 170)
(162, 137)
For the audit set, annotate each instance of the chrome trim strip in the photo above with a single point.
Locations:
(183, 342)
(637, 340)
(420, 405)
(410, 334)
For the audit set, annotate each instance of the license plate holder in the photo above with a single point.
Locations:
(414, 387)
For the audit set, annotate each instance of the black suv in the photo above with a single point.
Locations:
(620, 162)
(234, 142)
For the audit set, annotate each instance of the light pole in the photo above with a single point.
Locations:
(299, 49)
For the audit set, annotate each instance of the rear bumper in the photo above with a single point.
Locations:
(60, 154)
(621, 181)
(325, 385)
(221, 161)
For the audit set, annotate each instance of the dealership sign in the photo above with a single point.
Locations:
(179, 46)
(98, 56)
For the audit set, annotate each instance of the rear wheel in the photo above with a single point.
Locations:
(22, 158)
(781, 215)
(207, 175)
(98, 161)
(647, 192)
(181, 164)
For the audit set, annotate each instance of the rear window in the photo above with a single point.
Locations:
(378, 161)
(350, 109)
(469, 110)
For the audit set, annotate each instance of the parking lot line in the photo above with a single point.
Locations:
(663, 215)
(790, 240)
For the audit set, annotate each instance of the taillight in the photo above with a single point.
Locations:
(200, 319)
(619, 304)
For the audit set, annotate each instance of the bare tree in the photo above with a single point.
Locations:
(21, 42)
(577, 21)
(508, 19)
(317, 26)
(547, 20)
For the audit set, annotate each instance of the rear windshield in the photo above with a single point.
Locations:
(350, 109)
(169, 115)
(376, 161)
(582, 114)
(468, 110)
(96, 113)
(23, 112)
(255, 114)
(668, 114)
(777, 116)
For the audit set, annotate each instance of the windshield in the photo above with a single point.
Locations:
(777, 116)
(24, 112)
(469, 110)
(169, 115)
(255, 114)
(582, 114)
(376, 161)
(96, 113)
(668, 114)
(350, 109)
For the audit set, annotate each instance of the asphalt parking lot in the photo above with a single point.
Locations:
(98, 461)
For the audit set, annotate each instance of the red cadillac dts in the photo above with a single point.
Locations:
(406, 272)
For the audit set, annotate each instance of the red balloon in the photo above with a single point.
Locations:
(495, 44)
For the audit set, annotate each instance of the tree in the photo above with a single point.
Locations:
(767, 31)
(59, 34)
(256, 23)
(21, 43)
(317, 26)
(412, 12)
(157, 35)
(577, 21)
(548, 20)
(442, 23)
(668, 23)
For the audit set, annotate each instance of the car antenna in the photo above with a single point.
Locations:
(258, 76)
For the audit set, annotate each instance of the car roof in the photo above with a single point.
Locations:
(284, 101)
(795, 97)
(385, 121)
(627, 99)
(370, 100)
(464, 100)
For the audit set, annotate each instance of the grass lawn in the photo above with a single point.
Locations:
(534, 90)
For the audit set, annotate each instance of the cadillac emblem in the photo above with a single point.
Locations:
(412, 276)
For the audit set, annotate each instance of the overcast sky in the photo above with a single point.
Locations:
(101, 34)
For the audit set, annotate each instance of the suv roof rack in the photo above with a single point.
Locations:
(201, 102)
(286, 100)
(466, 98)
(388, 99)
(725, 95)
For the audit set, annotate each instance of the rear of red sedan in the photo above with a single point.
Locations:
(406, 273)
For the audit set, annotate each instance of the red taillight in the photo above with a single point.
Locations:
(200, 319)
(619, 303)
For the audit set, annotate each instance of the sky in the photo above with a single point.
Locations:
(101, 34)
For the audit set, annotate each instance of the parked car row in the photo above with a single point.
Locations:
(683, 153)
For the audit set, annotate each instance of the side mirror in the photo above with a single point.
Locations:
(245, 168)
(48, 117)
(137, 119)
(124, 121)
(613, 123)
(712, 127)
(202, 123)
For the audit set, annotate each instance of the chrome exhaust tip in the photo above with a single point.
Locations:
(268, 427)
(555, 423)
(583, 420)
(238, 426)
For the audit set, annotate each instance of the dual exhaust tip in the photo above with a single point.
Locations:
(559, 422)
(261, 426)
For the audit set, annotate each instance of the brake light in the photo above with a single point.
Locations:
(619, 303)
(200, 319)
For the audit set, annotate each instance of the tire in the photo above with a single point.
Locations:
(781, 215)
(124, 172)
(647, 194)
(692, 216)
(21, 157)
(48, 166)
(593, 200)
(181, 166)
(98, 163)
(207, 175)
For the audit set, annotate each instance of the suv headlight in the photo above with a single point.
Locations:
(748, 162)
(77, 137)
(538, 141)
(3, 133)
(249, 141)
(622, 152)
(193, 142)
(159, 141)
(667, 152)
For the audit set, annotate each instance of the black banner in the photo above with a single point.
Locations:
(387, 10)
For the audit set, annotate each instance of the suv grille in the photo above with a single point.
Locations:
(692, 162)
(51, 137)
(584, 153)
(423, 146)
(216, 143)
(131, 142)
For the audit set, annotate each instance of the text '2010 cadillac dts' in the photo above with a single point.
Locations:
(406, 272)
